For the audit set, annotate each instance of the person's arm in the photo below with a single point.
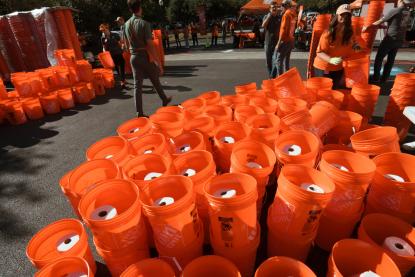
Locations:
(284, 29)
(266, 21)
(384, 19)
(322, 50)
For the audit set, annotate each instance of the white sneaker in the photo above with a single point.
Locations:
(409, 146)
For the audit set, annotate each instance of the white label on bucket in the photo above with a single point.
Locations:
(149, 151)
(109, 156)
(106, 212)
(67, 242)
(229, 140)
(164, 201)
(312, 188)
(189, 172)
(292, 150)
(341, 167)
(183, 149)
(395, 178)
(77, 274)
(152, 175)
(225, 193)
(253, 165)
(135, 130)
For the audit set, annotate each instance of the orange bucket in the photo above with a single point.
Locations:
(253, 158)
(376, 141)
(269, 105)
(144, 168)
(393, 186)
(329, 147)
(99, 84)
(264, 128)
(225, 138)
(154, 143)
(205, 125)
(324, 117)
(289, 84)
(50, 103)
(283, 266)
(86, 176)
(220, 113)
(348, 125)
(169, 204)
(32, 108)
(210, 97)
(297, 147)
(232, 208)
(172, 109)
(363, 99)
(85, 70)
(63, 238)
(135, 128)
(356, 70)
(245, 87)
(81, 94)
(233, 101)
(62, 76)
(207, 266)
(351, 257)
(319, 83)
(65, 98)
(287, 106)
(149, 268)
(186, 142)
(68, 266)
(91, 90)
(193, 107)
(112, 211)
(334, 97)
(395, 236)
(106, 59)
(200, 167)
(114, 148)
(14, 112)
(243, 112)
(169, 123)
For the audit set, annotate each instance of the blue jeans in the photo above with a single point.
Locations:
(282, 57)
(269, 55)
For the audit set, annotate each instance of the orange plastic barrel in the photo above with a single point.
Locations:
(220, 113)
(193, 107)
(200, 167)
(297, 147)
(32, 108)
(225, 138)
(264, 128)
(287, 106)
(114, 148)
(169, 123)
(112, 211)
(63, 238)
(65, 98)
(186, 142)
(395, 236)
(210, 97)
(351, 257)
(243, 112)
(146, 167)
(283, 266)
(324, 117)
(106, 59)
(376, 141)
(207, 266)
(169, 204)
(50, 103)
(68, 266)
(302, 195)
(86, 176)
(154, 143)
(393, 186)
(149, 268)
(135, 128)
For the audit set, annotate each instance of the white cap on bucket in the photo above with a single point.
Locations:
(189, 172)
(164, 201)
(105, 212)
(152, 175)
(292, 150)
(66, 243)
(312, 188)
(227, 139)
(225, 193)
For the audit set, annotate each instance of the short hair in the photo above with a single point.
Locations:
(104, 26)
(134, 5)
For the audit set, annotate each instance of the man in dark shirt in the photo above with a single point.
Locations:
(271, 25)
(397, 25)
(145, 60)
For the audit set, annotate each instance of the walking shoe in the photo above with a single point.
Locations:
(142, 115)
(167, 101)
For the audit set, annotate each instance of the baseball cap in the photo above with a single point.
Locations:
(409, 1)
(345, 8)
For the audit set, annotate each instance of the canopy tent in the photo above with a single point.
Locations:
(258, 6)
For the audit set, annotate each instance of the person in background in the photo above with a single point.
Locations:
(232, 27)
(257, 30)
(193, 28)
(335, 45)
(177, 37)
(186, 35)
(165, 37)
(145, 60)
(112, 43)
(224, 29)
(271, 25)
(285, 42)
(215, 34)
(397, 19)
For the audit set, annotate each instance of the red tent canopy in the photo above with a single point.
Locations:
(257, 6)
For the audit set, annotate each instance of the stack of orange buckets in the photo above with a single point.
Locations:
(375, 12)
(321, 24)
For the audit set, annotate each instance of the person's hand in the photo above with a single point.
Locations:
(365, 28)
(336, 60)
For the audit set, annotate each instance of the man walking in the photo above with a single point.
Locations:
(224, 27)
(145, 60)
(285, 43)
(397, 19)
(271, 25)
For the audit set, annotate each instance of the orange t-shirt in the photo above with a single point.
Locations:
(332, 49)
(287, 29)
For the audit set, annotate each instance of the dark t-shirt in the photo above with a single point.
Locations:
(111, 43)
(273, 29)
(136, 32)
(397, 19)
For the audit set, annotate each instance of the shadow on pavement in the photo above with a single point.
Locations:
(180, 71)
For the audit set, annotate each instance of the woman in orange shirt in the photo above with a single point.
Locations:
(335, 45)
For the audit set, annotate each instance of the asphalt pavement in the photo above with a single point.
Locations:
(34, 156)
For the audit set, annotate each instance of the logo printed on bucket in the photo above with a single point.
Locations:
(67, 242)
